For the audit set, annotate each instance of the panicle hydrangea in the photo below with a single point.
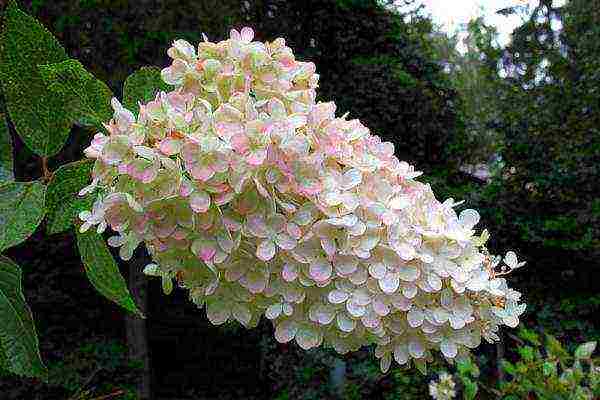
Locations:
(260, 200)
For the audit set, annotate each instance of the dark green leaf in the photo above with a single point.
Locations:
(142, 86)
(21, 211)
(63, 202)
(86, 99)
(6, 153)
(18, 338)
(102, 270)
(38, 115)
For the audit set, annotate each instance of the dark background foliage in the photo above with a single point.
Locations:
(388, 72)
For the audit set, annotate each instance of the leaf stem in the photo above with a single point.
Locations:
(46, 173)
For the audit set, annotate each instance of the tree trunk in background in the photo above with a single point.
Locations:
(137, 338)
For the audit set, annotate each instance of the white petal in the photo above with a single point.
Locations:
(355, 309)
(448, 348)
(308, 337)
(337, 296)
(401, 354)
(242, 314)
(390, 283)
(345, 323)
(377, 270)
(274, 310)
(415, 317)
(469, 218)
(217, 312)
(285, 331)
(416, 349)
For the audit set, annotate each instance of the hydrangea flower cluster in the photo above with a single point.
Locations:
(260, 201)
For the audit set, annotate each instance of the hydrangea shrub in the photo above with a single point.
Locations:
(259, 200)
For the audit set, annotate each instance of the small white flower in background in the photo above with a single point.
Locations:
(260, 201)
(444, 389)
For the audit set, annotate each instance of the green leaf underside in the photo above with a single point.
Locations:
(37, 115)
(21, 211)
(102, 270)
(86, 99)
(18, 338)
(6, 153)
(142, 86)
(63, 202)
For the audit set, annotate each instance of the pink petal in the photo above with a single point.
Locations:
(239, 143)
(200, 201)
(254, 281)
(320, 270)
(256, 157)
(257, 226)
(170, 146)
(202, 172)
(266, 250)
(289, 272)
(285, 241)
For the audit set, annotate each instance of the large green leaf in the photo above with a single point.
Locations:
(6, 153)
(63, 202)
(21, 211)
(102, 270)
(37, 114)
(142, 86)
(86, 99)
(19, 342)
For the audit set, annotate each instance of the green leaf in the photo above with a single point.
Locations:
(21, 211)
(527, 353)
(529, 335)
(37, 114)
(509, 367)
(585, 350)
(555, 349)
(18, 338)
(470, 389)
(6, 153)
(421, 366)
(63, 202)
(102, 270)
(142, 86)
(549, 368)
(86, 99)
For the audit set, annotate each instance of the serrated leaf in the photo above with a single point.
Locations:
(102, 270)
(17, 330)
(142, 86)
(6, 153)
(63, 202)
(38, 115)
(21, 211)
(585, 350)
(85, 98)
